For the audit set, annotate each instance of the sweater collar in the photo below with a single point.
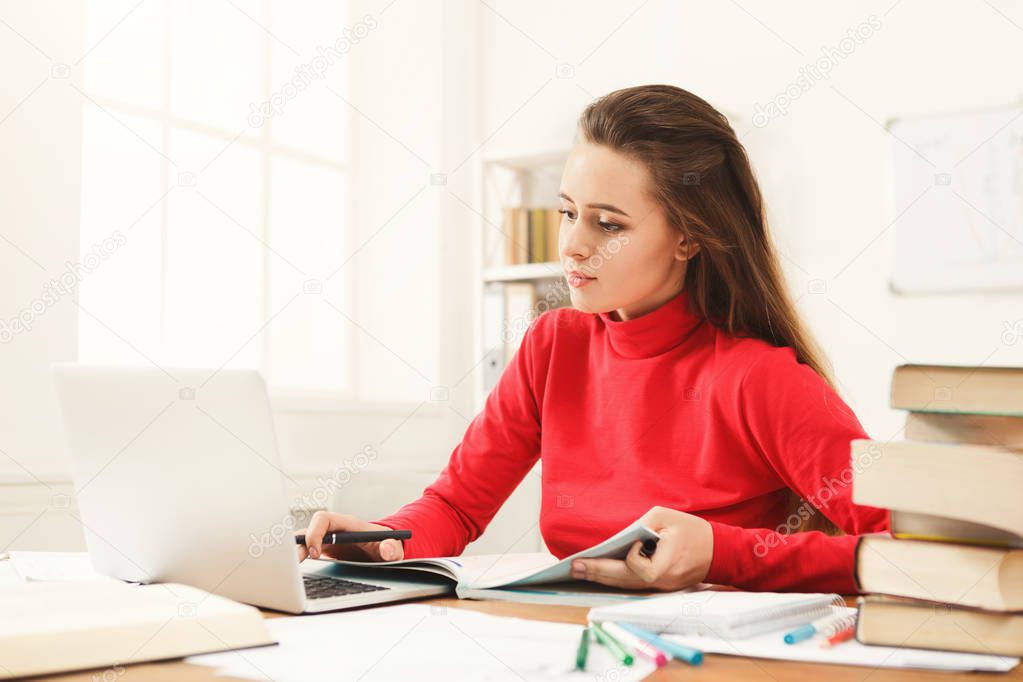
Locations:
(654, 333)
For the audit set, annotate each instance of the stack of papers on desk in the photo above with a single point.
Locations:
(420, 642)
(55, 566)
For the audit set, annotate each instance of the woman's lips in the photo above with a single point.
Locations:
(578, 279)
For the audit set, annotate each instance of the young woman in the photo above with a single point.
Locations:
(681, 388)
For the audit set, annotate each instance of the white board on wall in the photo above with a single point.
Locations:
(959, 188)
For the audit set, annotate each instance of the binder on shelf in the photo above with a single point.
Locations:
(493, 340)
(508, 310)
(519, 302)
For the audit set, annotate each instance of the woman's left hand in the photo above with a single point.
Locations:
(682, 557)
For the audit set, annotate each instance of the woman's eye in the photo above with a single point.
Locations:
(605, 226)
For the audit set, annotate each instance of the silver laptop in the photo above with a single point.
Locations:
(178, 479)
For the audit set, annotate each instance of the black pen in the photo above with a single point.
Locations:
(649, 545)
(345, 537)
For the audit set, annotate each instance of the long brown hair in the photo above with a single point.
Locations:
(703, 179)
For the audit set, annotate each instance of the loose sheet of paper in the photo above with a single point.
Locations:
(772, 645)
(55, 566)
(420, 642)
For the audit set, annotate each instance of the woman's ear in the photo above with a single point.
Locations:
(686, 249)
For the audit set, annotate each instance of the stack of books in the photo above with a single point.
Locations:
(951, 577)
(531, 234)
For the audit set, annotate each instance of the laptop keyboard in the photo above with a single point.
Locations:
(321, 587)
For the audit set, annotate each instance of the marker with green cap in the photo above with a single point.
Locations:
(611, 643)
(583, 650)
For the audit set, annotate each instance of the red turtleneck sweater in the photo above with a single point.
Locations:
(660, 410)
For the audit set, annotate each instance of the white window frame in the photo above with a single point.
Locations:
(347, 400)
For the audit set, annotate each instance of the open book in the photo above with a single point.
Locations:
(513, 577)
(55, 627)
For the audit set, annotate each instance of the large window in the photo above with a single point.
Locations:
(215, 208)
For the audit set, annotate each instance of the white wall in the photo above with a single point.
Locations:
(824, 166)
(40, 152)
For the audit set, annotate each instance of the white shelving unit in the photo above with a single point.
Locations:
(529, 179)
(529, 162)
(522, 273)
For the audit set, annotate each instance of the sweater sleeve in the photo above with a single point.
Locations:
(500, 446)
(803, 430)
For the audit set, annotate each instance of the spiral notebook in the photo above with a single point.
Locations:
(772, 645)
(723, 614)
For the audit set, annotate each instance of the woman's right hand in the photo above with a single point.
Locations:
(323, 522)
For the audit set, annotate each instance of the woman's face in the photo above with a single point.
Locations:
(615, 234)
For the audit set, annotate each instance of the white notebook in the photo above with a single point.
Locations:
(724, 614)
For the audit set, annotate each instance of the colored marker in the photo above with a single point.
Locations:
(840, 636)
(639, 646)
(583, 650)
(680, 651)
(612, 644)
(826, 625)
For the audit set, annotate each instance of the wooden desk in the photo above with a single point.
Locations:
(715, 667)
